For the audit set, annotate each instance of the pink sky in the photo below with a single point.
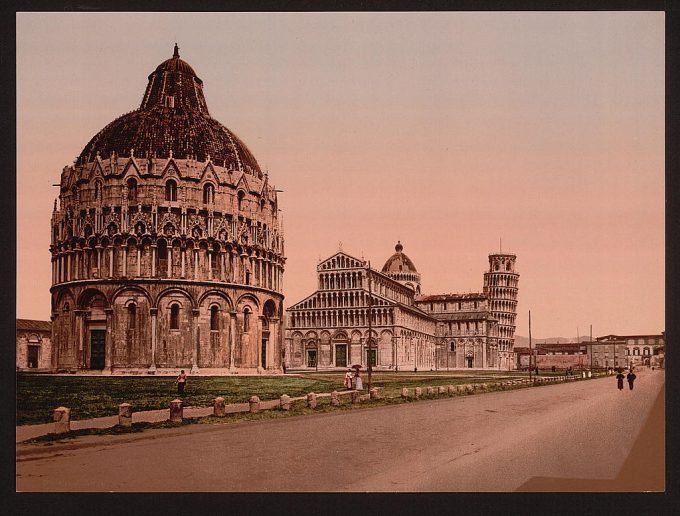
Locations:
(446, 131)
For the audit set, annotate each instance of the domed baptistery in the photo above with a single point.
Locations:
(166, 247)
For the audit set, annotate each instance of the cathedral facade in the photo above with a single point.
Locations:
(409, 331)
(166, 247)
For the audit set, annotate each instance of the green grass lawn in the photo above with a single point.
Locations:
(96, 396)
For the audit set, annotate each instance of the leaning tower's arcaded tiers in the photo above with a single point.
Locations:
(166, 246)
(501, 285)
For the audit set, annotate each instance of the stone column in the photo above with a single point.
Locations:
(124, 249)
(194, 353)
(274, 351)
(99, 261)
(223, 263)
(108, 354)
(183, 253)
(195, 263)
(484, 364)
(232, 339)
(153, 260)
(154, 318)
(68, 265)
(139, 260)
(208, 255)
(258, 342)
(111, 261)
(169, 261)
(80, 337)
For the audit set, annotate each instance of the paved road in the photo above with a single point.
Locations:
(487, 442)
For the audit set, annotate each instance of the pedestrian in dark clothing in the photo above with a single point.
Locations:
(181, 382)
(631, 378)
(619, 380)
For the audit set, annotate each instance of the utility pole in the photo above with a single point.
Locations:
(591, 347)
(530, 353)
(370, 335)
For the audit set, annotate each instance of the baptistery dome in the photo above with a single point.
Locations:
(166, 246)
(401, 268)
(173, 118)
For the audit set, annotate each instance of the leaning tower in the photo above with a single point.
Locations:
(500, 284)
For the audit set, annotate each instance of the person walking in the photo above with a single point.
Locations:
(181, 382)
(358, 383)
(619, 380)
(348, 379)
(631, 378)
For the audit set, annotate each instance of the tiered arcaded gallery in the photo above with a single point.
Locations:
(166, 248)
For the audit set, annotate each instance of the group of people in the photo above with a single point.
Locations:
(630, 377)
(353, 379)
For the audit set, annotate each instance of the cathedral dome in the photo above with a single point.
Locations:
(173, 118)
(399, 262)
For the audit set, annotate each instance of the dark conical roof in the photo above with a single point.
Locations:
(399, 262)
(173, 117)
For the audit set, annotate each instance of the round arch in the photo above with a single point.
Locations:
(216, 293)
(174, 290)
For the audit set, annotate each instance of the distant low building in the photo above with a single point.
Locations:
(546, 355)
(34, 345)
(635, 350)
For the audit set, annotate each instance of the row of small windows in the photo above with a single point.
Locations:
(171, 192)
(174, 317)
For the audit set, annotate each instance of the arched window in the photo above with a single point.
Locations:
(214, 318)
(246, 320)
(162, 258)
(636, 351)
(174, 317)
(453, 346)
(645, 351)
(132, 189)
(508, 266)
(208, 194)
(171, 190)
(247, 277)
(241, 194)
(132, 316)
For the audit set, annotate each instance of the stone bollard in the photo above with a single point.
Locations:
(441, 390)
(461, 389)
(418, 392)
(469, 387)
(583, 374)
(374, 394)
(311, 400)
(356, 396)
(62, 420)
(285, 402)
(125, 414)
(430, 392)
(404, 392)
(451, 390)
(335, 401)
(254, 402)
(218, 407)
(590, 374)
(176, 411)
